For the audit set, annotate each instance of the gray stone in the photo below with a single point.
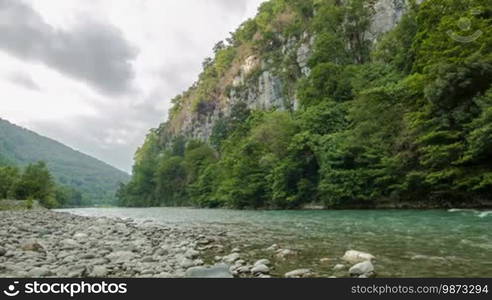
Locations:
(364, 268)
(77, 272)
(69, 244)
(39, 272)
(186, 262)
(161, 252)
(88, 256)
(121, 256)
(284, 253)
(231, 258)
(99, 272)
(298, 273)
(148, 259)
(264, 261)
(11, 253)
(33, 246)
(217, 271)
(354, 256)
(2, 251)
(260, 269)
(80, 236)
(243, 269)
(191, 253)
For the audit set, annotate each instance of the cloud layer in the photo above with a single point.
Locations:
(92, 52)
(97, 75)
(23, 80)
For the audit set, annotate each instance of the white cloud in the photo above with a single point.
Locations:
(103, 117)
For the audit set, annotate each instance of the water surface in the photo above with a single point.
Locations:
(407, 243)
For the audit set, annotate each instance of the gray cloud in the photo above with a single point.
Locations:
(23, 80)
(93, 52)
(232, 6)
(179, 76)
(172, 50)
(112, 136)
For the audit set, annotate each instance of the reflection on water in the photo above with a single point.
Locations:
(407, 243)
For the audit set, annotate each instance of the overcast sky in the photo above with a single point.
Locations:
(96, 75)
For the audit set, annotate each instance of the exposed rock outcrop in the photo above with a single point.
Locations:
(258, 84)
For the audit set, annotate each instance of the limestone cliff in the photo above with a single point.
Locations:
(260, 80)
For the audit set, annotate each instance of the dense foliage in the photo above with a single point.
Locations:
(35, 182)
(407, 120)
(95, 180)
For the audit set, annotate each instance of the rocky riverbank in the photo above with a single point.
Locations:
(44, 243)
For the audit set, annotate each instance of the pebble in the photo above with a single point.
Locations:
(190, 253)
(284, 253)
(354, 256)
(260, 269)
(298, 273)
(216, 271)
(365, 269)
(99, 272)
(39, 272)
(264, 261)
(231, 258)
(44, 243)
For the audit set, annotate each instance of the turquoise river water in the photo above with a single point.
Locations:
(406, 243)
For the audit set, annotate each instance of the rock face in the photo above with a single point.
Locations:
(257, 84)
(387, 14)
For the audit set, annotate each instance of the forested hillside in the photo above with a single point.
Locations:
(96, 181)
(321, 101)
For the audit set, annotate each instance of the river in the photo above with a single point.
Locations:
(406, 243)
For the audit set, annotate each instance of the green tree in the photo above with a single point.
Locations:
(8, 179)
(37, 182)
(171, 181)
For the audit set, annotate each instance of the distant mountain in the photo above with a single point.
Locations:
(96, 180)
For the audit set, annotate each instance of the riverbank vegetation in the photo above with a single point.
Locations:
(95, 180)
(406, 119)
(35, 182)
